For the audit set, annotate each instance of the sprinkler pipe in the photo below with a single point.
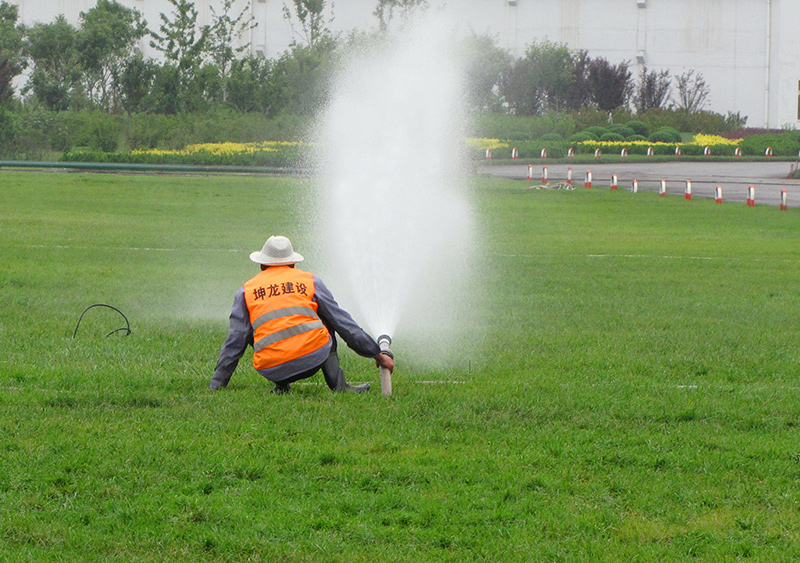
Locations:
(112, 166)
(384, 341)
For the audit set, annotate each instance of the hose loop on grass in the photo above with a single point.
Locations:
(126, 328)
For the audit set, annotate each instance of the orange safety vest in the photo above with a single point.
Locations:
(284, 316)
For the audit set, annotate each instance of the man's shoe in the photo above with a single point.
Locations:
(363, 388)
(281, 389)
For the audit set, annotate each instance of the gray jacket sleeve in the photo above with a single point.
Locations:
(339, 320)
(240, 335)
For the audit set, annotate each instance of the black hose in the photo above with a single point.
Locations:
(126, 328)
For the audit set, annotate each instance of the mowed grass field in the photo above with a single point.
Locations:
(635, 395)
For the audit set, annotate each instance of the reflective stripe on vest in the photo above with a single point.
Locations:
(284, 316)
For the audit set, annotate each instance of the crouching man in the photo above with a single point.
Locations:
(291, 320)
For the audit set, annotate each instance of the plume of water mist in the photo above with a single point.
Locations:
(393, 215)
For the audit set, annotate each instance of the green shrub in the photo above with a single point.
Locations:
(99, 131)
(621, 129)
(597, 131)
(552, 137)
(581, 137)
(782, 144)
(639, 128)
(519, 127)
(666, 135)
(8, 132)
(612, 137)
(637, 138)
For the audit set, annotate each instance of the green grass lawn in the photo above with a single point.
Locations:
(634, 395)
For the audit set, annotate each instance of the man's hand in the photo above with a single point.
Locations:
(384, 361)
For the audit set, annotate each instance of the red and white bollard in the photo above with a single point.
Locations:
(570, 153)
(687, 193)
(514, 153)
(678, 150)
(650, 151)
(751, 196)
(738, 152)
(488, 154)
(614, 182)
(530, 172)
(623, 153)
(543, 154)
(597, 154)
(707, 151)
(635, 186)
(544, 174)
(587, 183)
(783, 200)
(662, 191)
(768, 152)
(569, 176)
(718, 194)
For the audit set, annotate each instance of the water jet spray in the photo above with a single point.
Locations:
(384, 341)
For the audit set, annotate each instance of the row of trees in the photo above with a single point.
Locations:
(96, 65)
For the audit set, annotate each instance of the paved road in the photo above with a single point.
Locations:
(768, 177)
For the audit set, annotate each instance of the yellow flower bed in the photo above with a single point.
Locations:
(484, 144)
(223, 148)
(706, 140)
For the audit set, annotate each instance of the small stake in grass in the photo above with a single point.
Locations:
(587, 183)
(688, 191)
(718, 194)
(783, 200)
(613, 181)
(569, 176)
(751, 196)
(635, 186)
(662, 191)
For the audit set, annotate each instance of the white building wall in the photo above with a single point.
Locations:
(747, 50)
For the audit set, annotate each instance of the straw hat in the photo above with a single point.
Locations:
(277, 251)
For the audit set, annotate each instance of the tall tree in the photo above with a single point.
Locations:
(543, 80)
(693, 91)
(653, 90)
(609, 85)
(251, 85)
(135, 82)
(7, 73)
(311, 15)
(106, 41)
(224, 32)
(519, 88)
(485, 65)
(11, 35)
(52, 50)
(302, 77)
(386, 10)
(180, 40)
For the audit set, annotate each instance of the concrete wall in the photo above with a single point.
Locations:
(747, 50)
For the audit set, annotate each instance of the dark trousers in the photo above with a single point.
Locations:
(331, 371)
